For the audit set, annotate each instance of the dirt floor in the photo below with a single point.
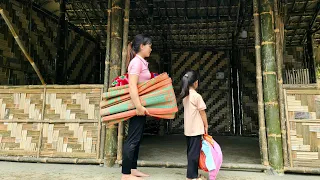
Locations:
(38, 171)
(172, 148)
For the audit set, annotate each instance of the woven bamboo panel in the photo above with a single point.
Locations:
(76, 139)
(70, 126)
(303, 112)
(20, 104)
(214, 90)
(70, 140)
(42, 38)
(19, 139)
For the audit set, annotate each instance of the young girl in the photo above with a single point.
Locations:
(195, 121)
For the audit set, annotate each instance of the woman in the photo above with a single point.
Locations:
(138, 71)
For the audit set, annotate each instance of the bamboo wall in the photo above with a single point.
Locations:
(38, 32)
(303, 123)
(213, 88)
(56, 121)
(249, 92)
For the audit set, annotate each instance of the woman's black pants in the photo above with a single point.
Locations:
(132, 144)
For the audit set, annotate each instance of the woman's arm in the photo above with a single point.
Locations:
(205, 120)
(133, 90)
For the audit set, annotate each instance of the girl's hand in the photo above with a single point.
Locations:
(205, 129)
(141, 111)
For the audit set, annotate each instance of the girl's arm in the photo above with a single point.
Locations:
(133, 90)
(205, 120)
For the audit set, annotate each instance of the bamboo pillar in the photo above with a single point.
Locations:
(106, 78)
(115, 65)
(123, 70)
(270, 86)
(262, 126)
(279, 31)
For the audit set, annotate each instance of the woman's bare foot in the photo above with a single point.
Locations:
(201, 177)
(137, 173)
(130, 177)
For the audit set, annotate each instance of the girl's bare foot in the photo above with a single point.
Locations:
(130, 177)
(137, 173)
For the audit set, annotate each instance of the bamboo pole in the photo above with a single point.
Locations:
(48, 121)
(123, 70)
(51, 160)
(20, 44)
(41, 124)
(115, 66)
(288, 131)
(262, 126)
(279, 28)
(270, 86)
(304, 170)
(106, 78)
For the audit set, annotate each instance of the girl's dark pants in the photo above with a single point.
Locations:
(132, 144)
(193, 154)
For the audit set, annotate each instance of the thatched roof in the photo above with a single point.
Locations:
(191, 23)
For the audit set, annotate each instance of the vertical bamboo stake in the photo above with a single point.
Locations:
(115, 66)
(262, 126)
(123, 70)
(270, 86)
(279, 52)
(20, 44)
(288, 130)
(42, 118)
(106, 78)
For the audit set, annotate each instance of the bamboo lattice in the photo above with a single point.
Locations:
(67, 126)
(303, 116)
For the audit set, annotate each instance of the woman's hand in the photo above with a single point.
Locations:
(205, 129)
(141, 111)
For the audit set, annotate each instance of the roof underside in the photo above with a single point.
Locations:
(176, 24)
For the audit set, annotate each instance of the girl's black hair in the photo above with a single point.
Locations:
(188, 80)
(134, 46)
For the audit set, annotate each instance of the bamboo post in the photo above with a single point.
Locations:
(115, 65)
(42, 118)
(288, 130)
(106, 77)
(20, 44)
(270, 86)
(123, 70)
(279, 28)
(262, 127)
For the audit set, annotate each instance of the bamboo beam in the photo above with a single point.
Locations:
(48, 121)
(20, 44)
(115, 66)
(262, 126)
(304, 170)
(279, 31)
(270, 86)
(51, 160)
(123, 70)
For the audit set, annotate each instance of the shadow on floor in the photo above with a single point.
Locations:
(172, 148)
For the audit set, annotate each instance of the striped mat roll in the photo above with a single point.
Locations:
(156, 95)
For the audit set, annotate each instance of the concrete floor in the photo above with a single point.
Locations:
(38, 171)
(172, 148)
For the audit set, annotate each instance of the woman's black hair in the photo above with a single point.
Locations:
(134, 46)
(188, 80)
